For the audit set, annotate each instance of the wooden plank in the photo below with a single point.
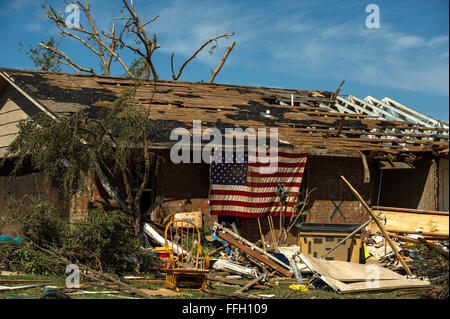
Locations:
(409, 222)
(236, 282)
(379, 285)
(265, 260)
(410, 210)
(250, 284)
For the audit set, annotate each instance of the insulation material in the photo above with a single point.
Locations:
(160, 240)
(225, 265)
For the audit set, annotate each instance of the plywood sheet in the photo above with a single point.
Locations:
(376, 285)
(346, 277)
(350, 272)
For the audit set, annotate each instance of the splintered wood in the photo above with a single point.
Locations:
(433, 224)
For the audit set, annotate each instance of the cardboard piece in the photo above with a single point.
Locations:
(195, 217)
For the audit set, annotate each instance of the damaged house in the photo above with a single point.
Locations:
(393, 155)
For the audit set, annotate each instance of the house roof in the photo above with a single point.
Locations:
(304, 119)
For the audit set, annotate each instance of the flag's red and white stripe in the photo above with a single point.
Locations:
(259, 197)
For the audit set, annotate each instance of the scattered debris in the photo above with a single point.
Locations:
(302, 288)
(8, 273)
(235, 282)
(150, 231)
(253, 251)
(250, 284)
(7, 240)
(380, 226)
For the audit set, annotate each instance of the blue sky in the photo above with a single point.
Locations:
(311, 45)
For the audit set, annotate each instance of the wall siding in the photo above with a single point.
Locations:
(14, 107)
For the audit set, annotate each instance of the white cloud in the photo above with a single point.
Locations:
(408, 42)
(439, 40)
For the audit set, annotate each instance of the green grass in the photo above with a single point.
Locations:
(281, 291)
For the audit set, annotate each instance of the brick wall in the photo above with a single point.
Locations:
(324, 174)
(249, 229)
(185, 187)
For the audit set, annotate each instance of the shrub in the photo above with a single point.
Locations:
(103, 241)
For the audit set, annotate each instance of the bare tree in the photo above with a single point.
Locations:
(90, 37)
(133, 35)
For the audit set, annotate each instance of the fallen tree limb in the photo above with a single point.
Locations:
(423, 241)
(97, 274)
(250, 284)
(236, 282)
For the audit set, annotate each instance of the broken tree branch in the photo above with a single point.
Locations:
(93, 37)
(177, 76)
(250, 284)
(225, 56)
(301, 212)
(65, 57)
(434, 247)
(123, 285)
(236, 282)
(218, 249)
(139, 31)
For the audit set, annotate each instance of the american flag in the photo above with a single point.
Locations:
(240, 187)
